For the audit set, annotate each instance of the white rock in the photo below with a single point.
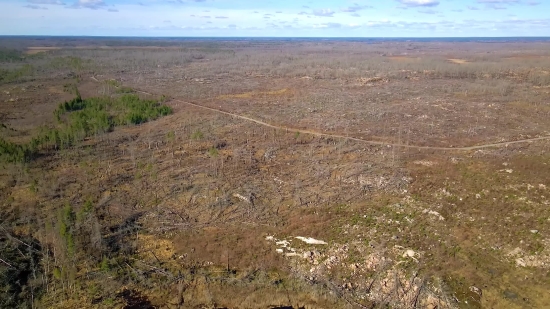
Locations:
(434, 213)
(514, 252)
(520, 262)
(283, 243)
(476, 290)
(269, 238)
(534, 231)
(409, 253)
(279, 250)
(311, 241)
(242, 197)
(425, 163)
(331, 260)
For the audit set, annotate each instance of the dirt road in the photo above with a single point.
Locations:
(467, 148)
(320, 134)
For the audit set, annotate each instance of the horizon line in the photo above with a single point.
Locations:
(274, 37)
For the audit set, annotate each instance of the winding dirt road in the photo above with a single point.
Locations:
(320, 134)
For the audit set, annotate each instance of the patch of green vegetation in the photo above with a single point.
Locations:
(7, 76)
(171, 136)
(81, 118)
(74, 63)
(85, 210)
(112, 82)
(104, 265)
(124, 89)
(34, 186)
(213, 152)
(363, 220)
(65, 223)
(10, 55)
(11, 152)
(197, 135)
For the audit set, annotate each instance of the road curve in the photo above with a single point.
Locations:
(320, 134)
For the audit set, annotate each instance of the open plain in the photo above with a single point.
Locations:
(274, 174)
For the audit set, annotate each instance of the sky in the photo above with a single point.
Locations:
(282, 18)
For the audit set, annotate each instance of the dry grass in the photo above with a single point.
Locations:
(32, 50)
(207, 188)
(458, 61)
(403, 59)
(253, 94)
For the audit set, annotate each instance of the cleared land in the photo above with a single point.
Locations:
(298, 174)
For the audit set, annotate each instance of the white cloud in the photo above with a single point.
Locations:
(323, 12)
(414, 3)
(355, 8)
(89, 4)
(498, 1)
(35, 7)
(56, 2)
(503, 4)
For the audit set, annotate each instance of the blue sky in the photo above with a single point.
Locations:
(325, 18)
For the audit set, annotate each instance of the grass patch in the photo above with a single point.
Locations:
(7, 76)
(526, 107)
(125, 90)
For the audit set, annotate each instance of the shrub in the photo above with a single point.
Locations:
(197, 135)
